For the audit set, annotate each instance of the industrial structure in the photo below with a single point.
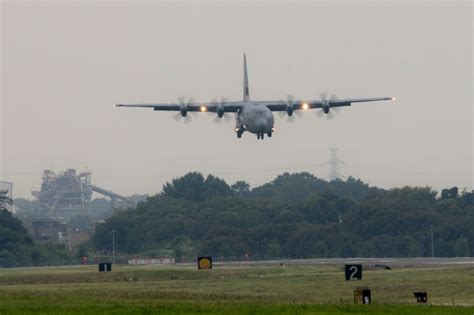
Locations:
(67, 194)
(63, 201)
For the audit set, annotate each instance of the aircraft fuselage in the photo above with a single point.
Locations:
(254, 118)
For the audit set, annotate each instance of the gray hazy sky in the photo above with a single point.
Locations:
(65, 63)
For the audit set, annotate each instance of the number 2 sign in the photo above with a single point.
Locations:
(353, 272)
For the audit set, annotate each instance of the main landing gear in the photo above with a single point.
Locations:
(261, 136)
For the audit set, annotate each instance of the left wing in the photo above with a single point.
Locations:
(279, 106)
(224, 107)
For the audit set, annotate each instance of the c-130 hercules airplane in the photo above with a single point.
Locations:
(256, 116)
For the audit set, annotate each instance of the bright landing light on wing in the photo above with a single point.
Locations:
(203, 109)
(305, 106)
(394, 98)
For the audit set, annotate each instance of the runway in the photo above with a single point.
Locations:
(369, 262)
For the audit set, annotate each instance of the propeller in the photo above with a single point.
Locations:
(183, 112)
(326, 108)
(290, 109)
(220, 113)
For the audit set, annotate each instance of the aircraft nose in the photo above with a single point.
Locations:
(261, 125)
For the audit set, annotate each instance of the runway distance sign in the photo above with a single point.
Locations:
(205, 262)
(105, 267)
(353, 272)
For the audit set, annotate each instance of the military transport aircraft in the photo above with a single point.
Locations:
(256, 116)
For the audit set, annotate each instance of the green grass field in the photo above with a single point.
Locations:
(231, 290)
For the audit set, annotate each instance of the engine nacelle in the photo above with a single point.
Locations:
(289, 110)
(326, 109)
(220, 111)
(183, 112)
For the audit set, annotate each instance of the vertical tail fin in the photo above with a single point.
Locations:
(246, 81)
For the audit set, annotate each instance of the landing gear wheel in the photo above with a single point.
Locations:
(239, 135)
(269, 134)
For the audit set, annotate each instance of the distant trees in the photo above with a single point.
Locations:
(295, 188)
(449, 193)
(4, 200)
(14, 238)
(193, 187)
(240, 187)
(400, 219)
(295, 215)
(18, 249)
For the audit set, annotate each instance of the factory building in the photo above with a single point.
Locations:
(63, 198)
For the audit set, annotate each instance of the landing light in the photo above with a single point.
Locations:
(394, 98)
(203, 109)
(305, 106)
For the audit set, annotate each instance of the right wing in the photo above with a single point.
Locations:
(278, 106)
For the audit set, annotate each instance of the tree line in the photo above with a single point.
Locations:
(18, 249)
(293, 216)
